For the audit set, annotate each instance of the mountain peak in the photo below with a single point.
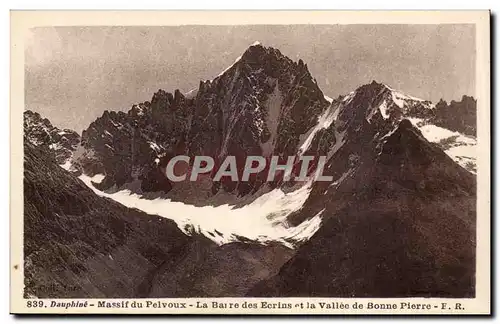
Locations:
(256, 49)
(375, 83)
(265, 60)
(39, 131)
(398, 97)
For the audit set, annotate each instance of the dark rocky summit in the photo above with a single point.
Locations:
(40, 132)
(261, 105)
(399, 220)
(459, 116)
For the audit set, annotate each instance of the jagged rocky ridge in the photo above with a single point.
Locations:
(264, 104)
(40, 132)
(459, 116)
(261, 105)
(400, 212)
(399, 220)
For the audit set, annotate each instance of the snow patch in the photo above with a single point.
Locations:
(336, 112)
(400, 99)
(67, 165)
(344, 175)
(461, 148)
(191, 93)
(435, 133)
(324, 121)
(97, 178)
(273, 104)
(401, 96)
(306, 229)
(226, 69)
(140, 110)
(263, 220)
(348, 98)
(154, 146)
(384, 109)
(115, 124)
(55, 146)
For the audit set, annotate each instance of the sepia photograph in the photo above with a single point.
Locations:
(269, 166)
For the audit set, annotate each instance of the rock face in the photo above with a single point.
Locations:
(63, 142)
(459, 116)
(77, 244)
(399, 219)
(261, 105)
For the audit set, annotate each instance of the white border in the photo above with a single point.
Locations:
(262, 4)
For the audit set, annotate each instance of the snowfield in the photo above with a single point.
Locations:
(325, 120)
(264, 220)
(461, 148)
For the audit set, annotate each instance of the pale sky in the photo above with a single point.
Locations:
(73, 74)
